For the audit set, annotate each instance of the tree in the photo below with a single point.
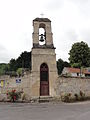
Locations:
(80, 55)
(12, 65)
(61, 64)
(24, 60)
(3, 68)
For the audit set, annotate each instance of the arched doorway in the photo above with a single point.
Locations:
(44, 80)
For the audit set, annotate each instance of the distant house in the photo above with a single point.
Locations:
(75, 72)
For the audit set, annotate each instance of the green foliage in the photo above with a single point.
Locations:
(12, 74)
(12, 65)
(80, 55)
(76, 65)
(61, 64)
(24, 60)
(3, 68)
(66, 97)
(20, 71)
(13, 95)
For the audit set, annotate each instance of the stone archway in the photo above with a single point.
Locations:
(44, 80)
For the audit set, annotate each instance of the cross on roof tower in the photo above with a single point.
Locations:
(42, 15)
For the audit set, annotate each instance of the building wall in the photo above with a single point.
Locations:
(40, 56)
(76, 75)
(72, 74)
(72, 85)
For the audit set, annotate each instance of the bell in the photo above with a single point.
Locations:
(42, 38)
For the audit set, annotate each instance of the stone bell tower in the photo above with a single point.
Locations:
(44, 70)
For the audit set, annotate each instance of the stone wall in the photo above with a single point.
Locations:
(10, 83)
(63, 85)
(72, 85)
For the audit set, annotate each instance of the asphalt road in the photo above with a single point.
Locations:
(45, 111)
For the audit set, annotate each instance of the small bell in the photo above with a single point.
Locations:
(42, 38)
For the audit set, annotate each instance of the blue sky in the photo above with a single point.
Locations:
(70, 24)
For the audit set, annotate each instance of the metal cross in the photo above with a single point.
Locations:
(42, 15)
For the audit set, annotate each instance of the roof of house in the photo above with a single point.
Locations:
(77, 70)
(42, 20)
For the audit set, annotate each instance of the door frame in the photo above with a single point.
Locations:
(44, 84)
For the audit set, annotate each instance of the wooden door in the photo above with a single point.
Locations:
(44, 80)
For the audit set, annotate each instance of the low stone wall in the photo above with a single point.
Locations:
(72, 85)
(63, 85)
(8, 83)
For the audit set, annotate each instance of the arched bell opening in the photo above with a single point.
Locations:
(42, 34)
(44, 80)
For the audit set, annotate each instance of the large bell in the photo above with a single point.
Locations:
(42, 38)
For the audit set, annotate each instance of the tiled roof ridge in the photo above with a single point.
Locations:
(77, 70)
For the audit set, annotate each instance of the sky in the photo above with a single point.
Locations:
(70, 24)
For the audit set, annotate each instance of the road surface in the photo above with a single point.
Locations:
(45, 111)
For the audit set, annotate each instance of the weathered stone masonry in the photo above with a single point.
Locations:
(72, 85)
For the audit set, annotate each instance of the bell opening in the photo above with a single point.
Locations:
(42, 36)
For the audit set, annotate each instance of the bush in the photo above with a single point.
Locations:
(66, 97)
(13, 95)
(23, 96)
(76, 96)
(82, 95)
(20, 72)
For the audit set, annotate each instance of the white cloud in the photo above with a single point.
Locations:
(70, 23)
(53, 5)
(4, 55)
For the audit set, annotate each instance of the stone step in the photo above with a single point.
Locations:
(45, 99)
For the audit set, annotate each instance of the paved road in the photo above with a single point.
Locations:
(45, 111)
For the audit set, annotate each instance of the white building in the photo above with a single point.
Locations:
(75, 72)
